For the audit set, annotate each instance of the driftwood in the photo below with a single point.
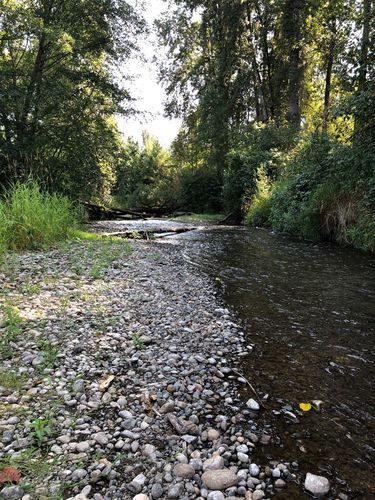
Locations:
(146, 235)
(96, 212)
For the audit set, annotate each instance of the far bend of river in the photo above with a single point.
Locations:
(309, 311)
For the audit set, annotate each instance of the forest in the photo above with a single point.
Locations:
(277, 100)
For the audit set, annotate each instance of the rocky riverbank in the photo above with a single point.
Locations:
(117, 381)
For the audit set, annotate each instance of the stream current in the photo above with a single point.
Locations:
(309, 311)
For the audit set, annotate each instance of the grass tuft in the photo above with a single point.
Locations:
(33, 219)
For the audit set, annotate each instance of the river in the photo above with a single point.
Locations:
(308, 309)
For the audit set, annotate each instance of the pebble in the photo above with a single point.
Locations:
(254, 470)
(215, 495)
(219, 479)
(213, 434)
(137, 483)
(214, 463)
(101, 438)
(184, 470)
(11, 493)
(157, 490)
(175, 491)
(149, 451)
(253, 405)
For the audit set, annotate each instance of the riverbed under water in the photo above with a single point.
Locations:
(309, 311)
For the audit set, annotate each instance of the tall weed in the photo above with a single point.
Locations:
(32, 219)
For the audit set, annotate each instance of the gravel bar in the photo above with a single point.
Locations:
(117, 381)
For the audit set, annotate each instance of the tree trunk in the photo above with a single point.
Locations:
(328, 78)
(261, 107)
(294, 20)
(363, 62)
(360, 124)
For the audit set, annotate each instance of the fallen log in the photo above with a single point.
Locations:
(146, 235)
(97, 212)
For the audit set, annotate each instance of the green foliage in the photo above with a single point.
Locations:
(259, 211)
(326, 191)
(32, 219)
(256, 149)
(10, 328)
(362, 234)
(137, 341)
(59, 92)
(12, 380)
(41, 429)
(145, 176)
(198, 189)
(49, 352)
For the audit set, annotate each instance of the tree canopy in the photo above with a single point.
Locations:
(60, 89)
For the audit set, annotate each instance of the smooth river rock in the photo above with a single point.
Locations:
(184, 470)
(219, 479)
(317, 485)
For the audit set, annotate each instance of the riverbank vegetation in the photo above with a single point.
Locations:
(277, 101)
(33, 219)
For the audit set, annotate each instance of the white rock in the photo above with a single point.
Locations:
(242, 457)
(214, 463)
(101, 438)
(215, 495)
(317, 485)
(83, 446)
(149, 451)
(252, 404)
(254, 470)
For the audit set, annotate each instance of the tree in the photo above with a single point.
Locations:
(59, 92)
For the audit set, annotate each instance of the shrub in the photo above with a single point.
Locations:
(327, 192)
(259, 211)
(362, 234)
(265, 147)
(31, 218)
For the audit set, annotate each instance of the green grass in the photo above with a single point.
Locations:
(10, 324)
(41, 430)
(12, 380)
(29, 288)
(49, 352)
(33, 466)
(33, 219)
(203, 217)
(137, 341)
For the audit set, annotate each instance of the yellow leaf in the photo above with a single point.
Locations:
(305, 406)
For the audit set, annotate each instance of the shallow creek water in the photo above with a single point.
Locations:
(308, 310)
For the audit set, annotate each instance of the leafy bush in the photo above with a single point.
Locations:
(265, 147)
(259, 211)
(362, 234)
(198, 189)
(145, 176)
(326, 191)
(33, 219)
